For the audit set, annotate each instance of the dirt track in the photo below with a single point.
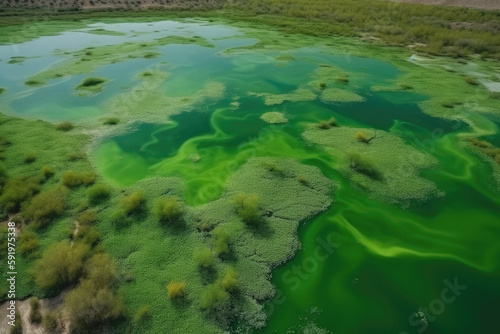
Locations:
(483, 4)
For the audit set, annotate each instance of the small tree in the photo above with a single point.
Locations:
(168, 209)
(176, 290)
(247, 207)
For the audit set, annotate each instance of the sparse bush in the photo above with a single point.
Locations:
(91, 82)
(133, 203)
(60, 265)
(363, 137)
(33, 83)
(51, 322)
(322, 85)
(46, 206)
(35, 313)
(365, 166)
(28, 242)
(471, 81)
(98, 193)
(17, 191)
(111, 121)
(325, 125)
(74, 156)
(3, 175)
(47, 172)
(302, 179)
(89, 305)
(168, 209)
(229, 281)
(343, 79)
(176, 289)
(118, 218)
(141, 313)
(221, 241)
(247, 207)
(88, 235)
(29, 158)
(64, 126)
(87, 217)
(204, 257)
(214, 297)
(18, 324)
(74, 179)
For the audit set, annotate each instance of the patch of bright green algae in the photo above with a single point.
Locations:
(88, 59)
(15, 34)
(274, 117)
(378, 162)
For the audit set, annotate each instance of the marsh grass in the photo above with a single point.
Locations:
(98, 193)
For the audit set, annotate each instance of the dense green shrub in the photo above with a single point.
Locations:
(92, 81)
(204, 257)
(168, 209)
(98, 193)
(221, 241)
(471, 81)
(60, 265)
(65, 126)
(74, 179)
(35, 313)
(176, 289)
(247, 207)
(133, 203)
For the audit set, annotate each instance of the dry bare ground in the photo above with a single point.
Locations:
(482, 4)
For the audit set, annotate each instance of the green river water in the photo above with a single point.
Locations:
(365, 266)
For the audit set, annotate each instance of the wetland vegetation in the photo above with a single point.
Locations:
(323, 167)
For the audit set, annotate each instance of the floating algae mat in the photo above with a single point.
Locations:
(358, 148)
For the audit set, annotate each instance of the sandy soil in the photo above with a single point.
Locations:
(483, 4)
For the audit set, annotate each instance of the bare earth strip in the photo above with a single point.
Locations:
(482, 4)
